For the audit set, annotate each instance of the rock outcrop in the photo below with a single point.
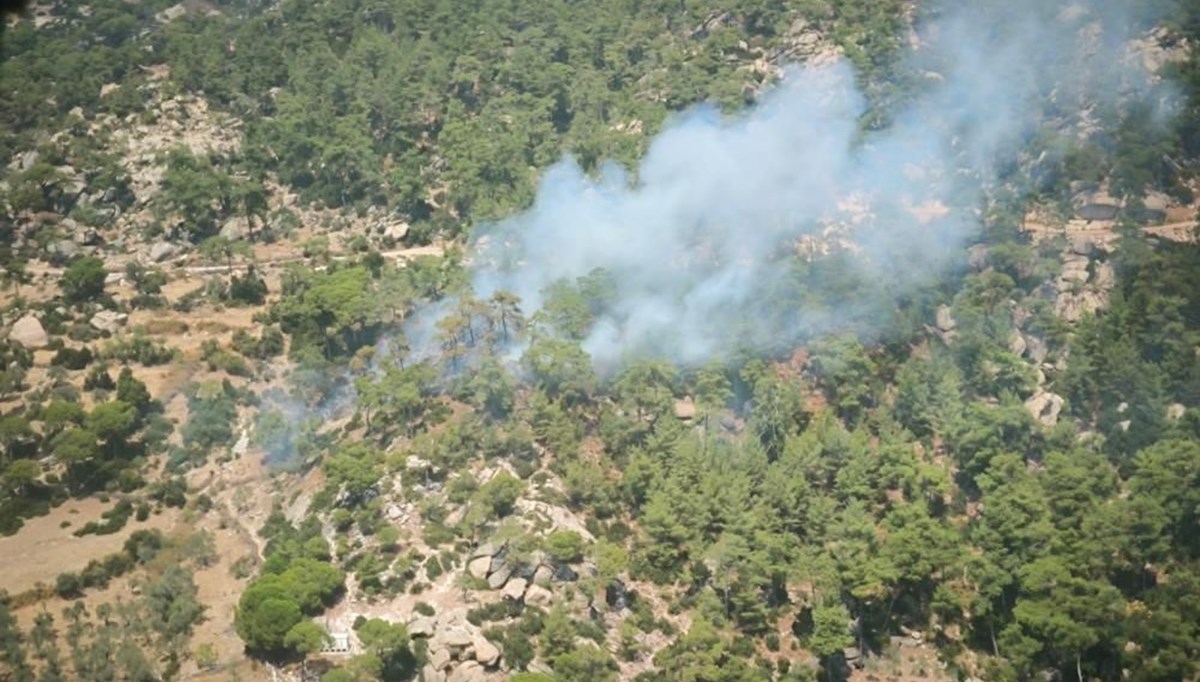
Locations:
(1045, 407)
(109, 321)
(29, 332)
(457, 650)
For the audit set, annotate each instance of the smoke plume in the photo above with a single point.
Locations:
(703, 240)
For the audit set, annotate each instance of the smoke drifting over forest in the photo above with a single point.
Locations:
(701, 242)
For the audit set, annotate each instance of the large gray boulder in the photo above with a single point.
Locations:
(421, 627)
(109, 321)
(455, 637)
(161, 251)
(500, 576)
(485, 652)
(515, 589)
(1045, 407)
(468, 671)
(29, 332)
(536, 595)
(478, 568)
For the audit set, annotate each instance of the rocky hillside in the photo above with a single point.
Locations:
(256, 422)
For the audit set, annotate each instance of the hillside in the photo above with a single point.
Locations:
(625, 340)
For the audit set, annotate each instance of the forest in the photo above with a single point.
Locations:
(801, 509)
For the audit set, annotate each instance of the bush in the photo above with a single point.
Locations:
(73, 358)
(565, 546)
(140, 349)
(433, 568)
(83, 279)
(114, 520)
(68, 585)
(98, 379)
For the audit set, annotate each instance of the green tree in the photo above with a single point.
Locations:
(83, 280)
(265, 614)
(831, 633)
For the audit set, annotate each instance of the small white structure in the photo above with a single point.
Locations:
(338, 643)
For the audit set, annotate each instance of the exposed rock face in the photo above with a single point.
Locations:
(946, 326)
(515, 589)
(1016, 343)
(395, 231)
(109, 321)
(485, 652)
(29, 332)
(235, 230)
(478, 568)
(499, 577)
(469, 671)
(161, 251)
(543, 575)
(457, 649)
(422, 627)
(1045, 407)
(685, 409)
(536, 595)
(63, 250)
(454, 637)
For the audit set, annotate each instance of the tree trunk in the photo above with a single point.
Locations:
(1078, 667)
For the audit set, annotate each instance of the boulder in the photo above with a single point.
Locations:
(685, 409)
(1016, 343)
(29, 332)
(499, 576)
(487, 549)
(432, 674)
(235, 230)
(1045, 407)
(946, 327)
(109, 321)
(161, 251)
(1176, 411)
(536, 595)
(456, 637)
(616, 595)
(469, 671)
(64, 249)
(485, 652)
(439, 658)
(543, 575)
(515, 589)
(565, 574)
(478, 568)
(1036, 349)
(86, 236)
(945, 322)
(28, 160)
(396, 231)
(422, 626)
(1075, 269)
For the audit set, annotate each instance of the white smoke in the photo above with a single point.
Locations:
(703, 243)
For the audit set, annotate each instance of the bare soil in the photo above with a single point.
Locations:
(42, 549)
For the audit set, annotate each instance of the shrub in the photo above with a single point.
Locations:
(565, 546)
(73, 358)
(68, 585)
(83, 279)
